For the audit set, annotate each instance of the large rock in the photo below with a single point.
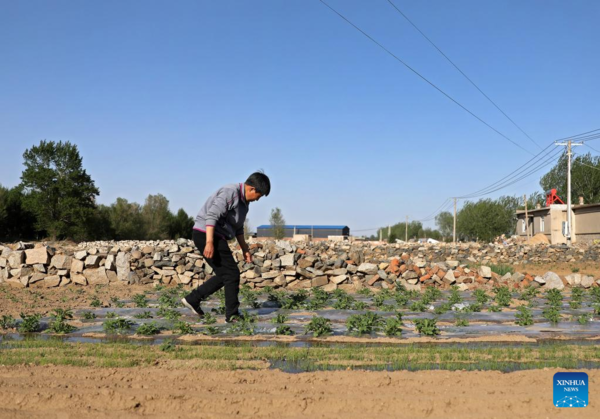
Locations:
(61, 262)
(339, 279)
(553, 281)
(16, 259)
(368, 268)
(77, 266)
(573, 279)
(92, 261)
(449, 278)
(485, 272)
(587, 281)
(96, 276)
(52, 281)
(123, 268)
(319, 281)
(37, 255)
(287, 260)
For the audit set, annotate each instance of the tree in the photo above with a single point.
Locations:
(156, 217)
(445, 223)
(57, 189)
(181, 225)
(487, 219)
(585, 178)
(126, 220)
(392, 238)
(277, 223)
(16, 223)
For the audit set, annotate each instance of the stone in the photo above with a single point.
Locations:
(517, 277)
(449, 277)
(319, 281)
(109, 263)
(270, 275)
(287, 260)
(37, 255)
(16, 259)
(36, 277)
(420, 263)
(373, 280)
(92, 261)
(484, 272)
(337, 272)
(61, 262)
(329, 287)
(52, 281)
(112, 276)
(553, 281)
(80, 255)
(78, 279)
(96, 276)
(64, 281)
(122, 263)
(339, 279)
(382, 275)
(507, 277)
(573, 279)
(587, 281)
(539, 280)
(77, 266)
(368, 268)
(453, 264)
(280, 280)
(185, 280)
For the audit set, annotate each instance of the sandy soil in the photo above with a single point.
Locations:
(69, 392)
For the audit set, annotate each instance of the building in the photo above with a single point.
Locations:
(551, 221)
(315, 231)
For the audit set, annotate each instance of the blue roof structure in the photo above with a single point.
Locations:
(315, 227)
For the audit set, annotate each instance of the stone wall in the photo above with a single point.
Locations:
(291, 265)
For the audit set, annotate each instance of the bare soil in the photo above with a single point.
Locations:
(158, 392)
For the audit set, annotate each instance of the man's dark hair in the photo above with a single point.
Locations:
(260, 182)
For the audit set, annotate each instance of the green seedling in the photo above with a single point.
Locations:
(461, 322)
(144, 315)
(554, 297)
(344, 302)
(366, 292)
(359, 305)
(88, 315)
(494, 309)
(169, 313)
(524, 316)
(455, 297)
(7, 322)
(443, 308)
(208, 319)
(427, 327)
(361, 324)
(111, 315)
(418, 306)
(182, 328)
(294, 301)
(140, 300)
(319, 326)
(279, 319)
(392, 327)
(583, 319)
(249, 296)
(529, 293)
(210, 330)
(168, 346)
(30, 323)
(59, 324)
(244, 324)
(481, 296)
(502, 270)
(96, 302)
(284, 329)
(118, 325)
(552, 314)
(575, 304)
(503, 296)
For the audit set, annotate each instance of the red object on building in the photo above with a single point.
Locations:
(552, 198)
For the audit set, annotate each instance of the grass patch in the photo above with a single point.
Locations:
(502, 269)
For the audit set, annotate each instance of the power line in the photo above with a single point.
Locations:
(462, 72)
(422, 77)
(589, 146)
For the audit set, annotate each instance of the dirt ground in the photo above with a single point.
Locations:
(69, 392)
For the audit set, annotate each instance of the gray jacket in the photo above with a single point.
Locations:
(225, 210)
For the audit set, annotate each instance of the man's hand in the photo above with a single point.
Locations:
(248, 256)
(209, 250)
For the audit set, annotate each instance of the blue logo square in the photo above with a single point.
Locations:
(571, 389)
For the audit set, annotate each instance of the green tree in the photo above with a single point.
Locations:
(98, 224)
(445, 224)
(277, 223)
(487, 219)
(181, 225)
(585, 178)
(156, 217)
(126, 220)
(57, 189)
(16, 223)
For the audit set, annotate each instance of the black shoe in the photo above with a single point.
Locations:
(197, 311)
(234, 318)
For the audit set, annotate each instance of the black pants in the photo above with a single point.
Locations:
(227, 274)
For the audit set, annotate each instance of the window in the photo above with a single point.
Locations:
(542, 224)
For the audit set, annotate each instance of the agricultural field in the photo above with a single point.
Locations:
(296, 338)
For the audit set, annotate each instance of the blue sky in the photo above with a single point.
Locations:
(181, 97)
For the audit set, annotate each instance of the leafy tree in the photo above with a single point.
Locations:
(277, 223)
(585, 178)
(392, 238)
(445, 223)
(126, 220)
(156, 217)
(181, 225)
(98, 224)
(415, 230)
(57, 189)
(486, 219)
(16, 223)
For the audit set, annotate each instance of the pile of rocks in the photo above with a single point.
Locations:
(293, 265)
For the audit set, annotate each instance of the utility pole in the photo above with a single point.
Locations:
(389, 232)
(454, 229)
(380, 234)
(406, 230)
(569, 144)
(526, 217)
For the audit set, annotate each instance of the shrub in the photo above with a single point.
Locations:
(361, 324)
(524, 316)
(30, 323)
(427, 327)
(58, 324)
(319, 326)
(118, 325)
